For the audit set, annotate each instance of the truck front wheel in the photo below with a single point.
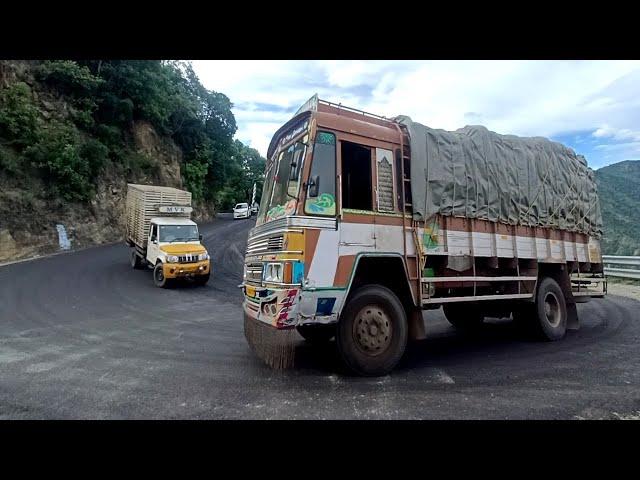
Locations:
(158, 276)
(372, 332)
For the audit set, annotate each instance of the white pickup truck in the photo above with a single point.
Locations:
(162, 236)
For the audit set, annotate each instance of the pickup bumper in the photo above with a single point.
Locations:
(179, 270)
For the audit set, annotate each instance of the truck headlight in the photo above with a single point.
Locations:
(172, 259)
(203, 256)
(273, 272)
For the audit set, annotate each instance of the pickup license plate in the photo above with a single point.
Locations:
(251, 291)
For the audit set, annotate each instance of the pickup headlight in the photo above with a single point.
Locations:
(172, 258)
(203, 256)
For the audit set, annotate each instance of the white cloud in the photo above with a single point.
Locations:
(546, 98)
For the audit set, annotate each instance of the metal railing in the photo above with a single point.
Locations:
(621, 266)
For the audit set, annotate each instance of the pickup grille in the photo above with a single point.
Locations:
(188, 258)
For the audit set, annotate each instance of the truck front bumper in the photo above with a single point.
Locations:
(180, 270)
(285, 308)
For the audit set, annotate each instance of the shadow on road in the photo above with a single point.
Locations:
(443, 346)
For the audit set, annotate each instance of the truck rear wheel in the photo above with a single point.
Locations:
(158, 277)
(372, 332)
(463, 315)
(135, 259)
(317, 334)
(547, 317)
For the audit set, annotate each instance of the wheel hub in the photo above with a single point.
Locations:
(372, 330)
(552, 309)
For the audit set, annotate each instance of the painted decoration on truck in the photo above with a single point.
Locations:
(384, 192)
(280, 211)
(430, 236)
(323, 204)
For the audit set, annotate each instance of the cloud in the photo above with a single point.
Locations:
(533, 98)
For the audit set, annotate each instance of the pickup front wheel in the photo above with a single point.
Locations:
(158, 276)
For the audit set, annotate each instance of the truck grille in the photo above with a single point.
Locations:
(262, 245)
(254, 272)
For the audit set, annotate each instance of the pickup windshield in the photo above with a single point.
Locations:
(178, 233)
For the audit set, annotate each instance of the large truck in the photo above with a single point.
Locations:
(366, 221)
(162, 236)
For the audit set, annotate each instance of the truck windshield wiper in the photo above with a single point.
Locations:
(179, 239)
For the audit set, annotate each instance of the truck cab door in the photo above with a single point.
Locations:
(153, 248)
(357, 226)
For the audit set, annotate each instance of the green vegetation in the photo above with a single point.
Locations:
(68, 121)
(619, 192)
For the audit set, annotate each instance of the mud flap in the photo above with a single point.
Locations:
(573, 322)
(275, 347)
(416, 325)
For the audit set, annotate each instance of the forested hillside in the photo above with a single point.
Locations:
(74, 133)
(619, 192)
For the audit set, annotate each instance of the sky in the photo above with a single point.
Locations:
(591, 106)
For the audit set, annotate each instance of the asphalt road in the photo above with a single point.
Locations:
(83, 336)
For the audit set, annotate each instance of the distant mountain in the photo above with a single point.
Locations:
(619, 192)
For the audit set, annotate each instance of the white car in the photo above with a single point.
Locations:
(241, 210)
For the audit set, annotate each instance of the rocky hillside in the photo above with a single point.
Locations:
(73, 134)
(619, 192)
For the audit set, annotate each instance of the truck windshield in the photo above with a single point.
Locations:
(282, 181)
(178, 233)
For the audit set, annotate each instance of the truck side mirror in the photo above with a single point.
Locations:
(200, 237)
(314, 185)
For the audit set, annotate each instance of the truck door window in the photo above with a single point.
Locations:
(321, 186)
(154, 232)
(356, 177)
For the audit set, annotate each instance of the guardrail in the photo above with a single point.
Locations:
(620, 266)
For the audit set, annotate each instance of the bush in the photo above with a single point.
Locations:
(10, 161)
(95, 153)
(68, 163)
(69, 77)
(194, 174)
(139, 162)
(18, 115)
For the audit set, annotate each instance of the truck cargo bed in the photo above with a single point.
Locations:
(143, 203)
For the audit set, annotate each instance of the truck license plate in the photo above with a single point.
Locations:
(251, 291)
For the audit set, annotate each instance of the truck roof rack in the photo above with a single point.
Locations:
(339, 106)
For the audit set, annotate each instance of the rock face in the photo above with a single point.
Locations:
(163, 150)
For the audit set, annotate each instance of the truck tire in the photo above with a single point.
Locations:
(372, 332)
(202, 279)
(135, 259)
(549, 318)
(317, 334)
(463, 315)
(158, 276)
